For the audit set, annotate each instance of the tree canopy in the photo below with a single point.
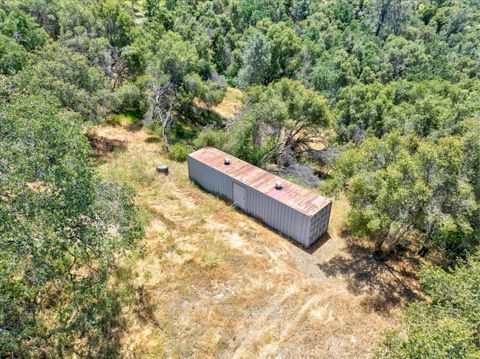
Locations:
(62, 230)
(376, 100)
(446, 327)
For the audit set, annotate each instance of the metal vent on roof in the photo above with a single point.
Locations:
(226, 161)
(278, 185)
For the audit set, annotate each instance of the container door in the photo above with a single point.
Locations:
(239, 195)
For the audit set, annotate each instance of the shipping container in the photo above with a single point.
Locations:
(294, 211)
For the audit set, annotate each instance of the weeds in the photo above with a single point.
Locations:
(211, 259)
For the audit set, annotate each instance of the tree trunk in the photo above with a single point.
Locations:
(165, 138)
(383, 14)
(379, 240)
(422, 252)
(359, 10)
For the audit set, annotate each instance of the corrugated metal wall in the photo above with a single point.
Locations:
(286, 220)
(277, 215)
(212, 180)
(319, 224)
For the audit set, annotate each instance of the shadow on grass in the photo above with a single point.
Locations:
(145, 306)
(153, 139)
(113, 324)
(386, 284)
(102, 146)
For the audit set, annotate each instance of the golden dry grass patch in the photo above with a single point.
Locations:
(230, 105)
(214, 282)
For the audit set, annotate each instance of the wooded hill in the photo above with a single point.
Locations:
(388, 88)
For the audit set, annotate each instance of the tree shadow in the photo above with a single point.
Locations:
(103, 146)
(386, 284)
(145, 306)
(153, 139)
(112, 323)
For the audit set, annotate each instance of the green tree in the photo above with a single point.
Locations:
(45, 13)
(428, 109)
(256, 61)
(62, 230)
(174, 81)
(361, 112)
(300, 9)
(404, 187)
(78, 86)
(280, 119)
(404, 59)
(12, 56)
(285, 48)
(23, 30)
(390, 16)
(252, 11)
(445, 327)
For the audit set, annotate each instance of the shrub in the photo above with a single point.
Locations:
(179, 152)
(210, 259)
(211, 138)
(129, 98)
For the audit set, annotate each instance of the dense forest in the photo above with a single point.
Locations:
(390, 89)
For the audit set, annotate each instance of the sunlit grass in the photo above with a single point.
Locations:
(122, 119)
(211, 259)
(206, 274)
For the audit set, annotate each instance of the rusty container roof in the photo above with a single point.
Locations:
(294, 196)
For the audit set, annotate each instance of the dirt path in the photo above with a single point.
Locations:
(213, 282)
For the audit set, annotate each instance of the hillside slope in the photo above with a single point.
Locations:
(213, 282)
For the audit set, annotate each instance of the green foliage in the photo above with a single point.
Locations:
(403, 186)
(277, 120)
(252, 11)
(129, 98)
(12, 56)
(285, 48)
(179, 152)
(18, 34)
(67, 76)
(212, 93)
(404, 59)
(211, 138)
(61, 233)
(23, 29)
(427, 109)
(447, 326)
(115, 23)
(256, 61)
(175, 77)
(361, 112)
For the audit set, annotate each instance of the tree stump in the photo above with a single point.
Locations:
(162, 169)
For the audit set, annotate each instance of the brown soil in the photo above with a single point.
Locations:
(215, 283)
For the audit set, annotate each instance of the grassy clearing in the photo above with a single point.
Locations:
(122, 119)
(230, 105)
(210, 281)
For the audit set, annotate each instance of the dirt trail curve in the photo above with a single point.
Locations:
(215, 283)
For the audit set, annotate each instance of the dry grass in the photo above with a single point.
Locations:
(230, 105)
(213, 282)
